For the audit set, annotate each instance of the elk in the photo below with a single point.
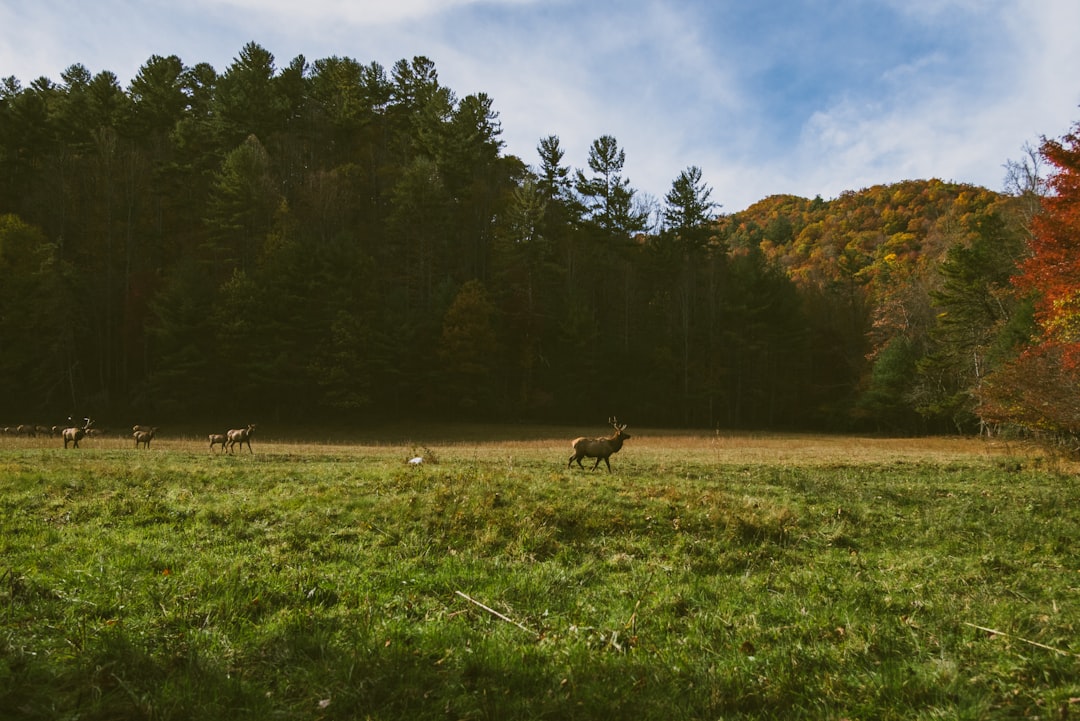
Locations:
(218, 439)
(241, 436)
(145, 436)
(599, 448)
(75, 434)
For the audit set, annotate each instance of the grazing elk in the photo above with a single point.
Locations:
(218, 439)
(599, 448)
(75, 434)
(241, 436)
(144, 437)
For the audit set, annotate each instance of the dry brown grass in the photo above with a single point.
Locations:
(754, 448)
(477, 441)
(812, 449)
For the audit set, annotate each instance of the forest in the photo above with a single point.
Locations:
(340, 241)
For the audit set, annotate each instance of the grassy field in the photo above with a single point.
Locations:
(708, 577)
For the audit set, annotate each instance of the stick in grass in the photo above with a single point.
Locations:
(1019, 638)
(496, 613)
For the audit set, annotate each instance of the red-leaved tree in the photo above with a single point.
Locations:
(1052, 270)
(1040, 390)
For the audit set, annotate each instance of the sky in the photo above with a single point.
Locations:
(807, 97)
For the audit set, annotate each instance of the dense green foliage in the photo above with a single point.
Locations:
(492, 583)
(331, 237)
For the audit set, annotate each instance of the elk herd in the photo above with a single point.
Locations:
(601, 448)
(71, 434)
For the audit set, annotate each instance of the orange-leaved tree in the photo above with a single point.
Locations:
(1052, 270)
(1040, 390)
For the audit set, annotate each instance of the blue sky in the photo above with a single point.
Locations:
(787, 96)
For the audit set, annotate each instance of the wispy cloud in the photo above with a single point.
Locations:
(796, 96)
(957, 113)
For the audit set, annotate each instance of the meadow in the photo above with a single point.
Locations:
(709, 576)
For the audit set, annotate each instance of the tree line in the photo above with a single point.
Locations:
(339, 239)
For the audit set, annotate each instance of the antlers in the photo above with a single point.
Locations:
(615, 424)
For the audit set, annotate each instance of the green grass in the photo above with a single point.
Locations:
(706, 578)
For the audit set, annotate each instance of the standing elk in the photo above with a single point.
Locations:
(218, 439)
(75, 434)
(599, 448)
(241, 436)
(144, 437)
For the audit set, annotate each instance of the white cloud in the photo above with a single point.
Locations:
(362, 13)
(954, 118)
(762, 98)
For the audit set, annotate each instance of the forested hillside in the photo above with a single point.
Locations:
(334, 239)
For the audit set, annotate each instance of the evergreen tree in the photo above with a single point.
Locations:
(420, 107)
(39, 363)
(680, 245)
(241, 209)
(612, 221)
(607, 196)
(158, 99)
(528, 280)
(688, 210)
(247, 99)
(553, 178)
(268, 321)
(185, 375)
(469, 351)
(976, 305)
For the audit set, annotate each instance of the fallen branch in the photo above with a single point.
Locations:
(495, 613)
(1019, 638)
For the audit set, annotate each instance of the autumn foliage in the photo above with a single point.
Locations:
(1039, 390)
(1052, 271)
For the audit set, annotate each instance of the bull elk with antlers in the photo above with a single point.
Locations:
(74, 434)
(599, 448)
